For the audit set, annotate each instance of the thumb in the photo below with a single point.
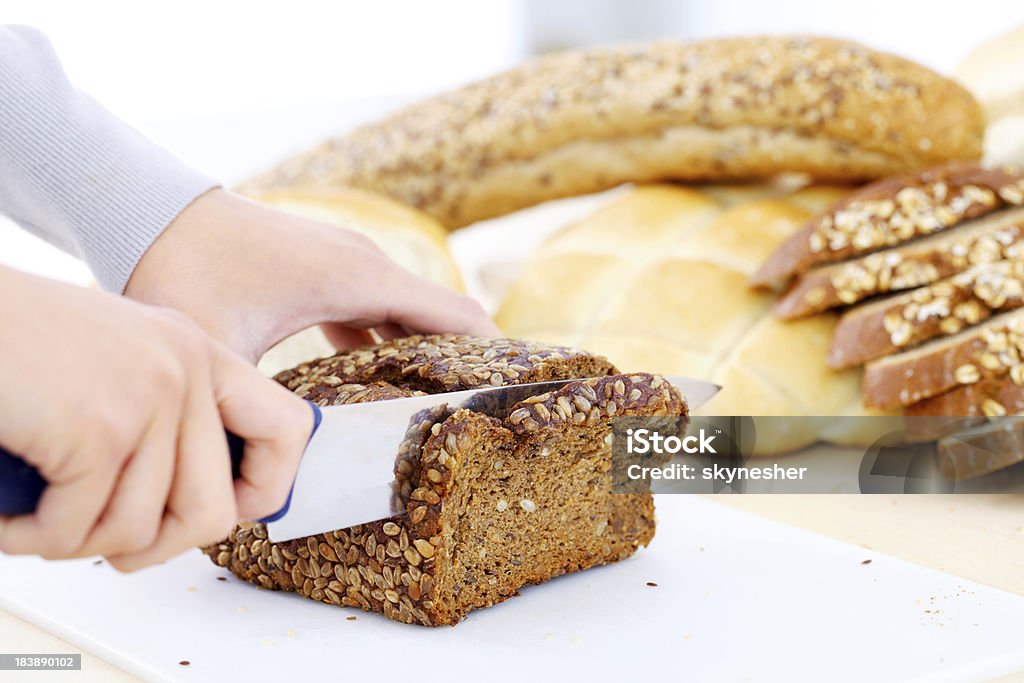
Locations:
(274, 423)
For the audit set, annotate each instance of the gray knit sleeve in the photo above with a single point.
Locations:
(76, 175)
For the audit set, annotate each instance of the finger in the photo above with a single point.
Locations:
(343, 337)
(389, 331)
(201, 507)
(423, 306)
(275, 425)
(69, 508)
(132, 519)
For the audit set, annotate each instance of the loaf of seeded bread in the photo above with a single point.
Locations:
(492, 503)
(578, 122)
(892, 211)
(889, 325)
(916, 263)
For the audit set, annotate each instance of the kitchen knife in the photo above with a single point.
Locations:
(347, 471)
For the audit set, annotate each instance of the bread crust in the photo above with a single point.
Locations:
(412, 567)
(583, 121)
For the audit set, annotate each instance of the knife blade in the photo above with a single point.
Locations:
(347, 472)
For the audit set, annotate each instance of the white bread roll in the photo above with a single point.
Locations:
(657, 281)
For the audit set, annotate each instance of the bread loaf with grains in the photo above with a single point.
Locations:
(581, 121)
(492, 502)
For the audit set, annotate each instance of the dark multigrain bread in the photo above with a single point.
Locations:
(492, 504)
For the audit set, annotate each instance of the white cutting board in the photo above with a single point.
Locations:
(739, 598)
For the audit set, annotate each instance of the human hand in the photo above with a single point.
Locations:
(251, 275)
(122, 408)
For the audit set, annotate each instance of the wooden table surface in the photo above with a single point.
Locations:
(980, 538)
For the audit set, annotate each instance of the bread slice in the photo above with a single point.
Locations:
(889, 325)
(576, 122)
(992, 349)
(921, 262)
(982, 450)
(964, 407)
(493, 501)
(892, 211)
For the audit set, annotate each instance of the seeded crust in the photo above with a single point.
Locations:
(892, 211)
(492, 503)
(920, 262)
(582, 121)
(990, 350)
(895, 323)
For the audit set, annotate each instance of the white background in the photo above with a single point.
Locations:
(232, 86)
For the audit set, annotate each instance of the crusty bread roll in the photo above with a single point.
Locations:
(657, 280)
(578, 122)
(412, 238)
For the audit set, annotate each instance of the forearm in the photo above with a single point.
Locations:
(76, 175)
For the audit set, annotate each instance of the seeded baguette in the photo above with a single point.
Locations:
(921, 262)
(895, 323)
(577, 122)
(492, 503)
(989, 350)
(892, 211)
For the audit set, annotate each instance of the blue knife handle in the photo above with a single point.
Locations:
(21, 485)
